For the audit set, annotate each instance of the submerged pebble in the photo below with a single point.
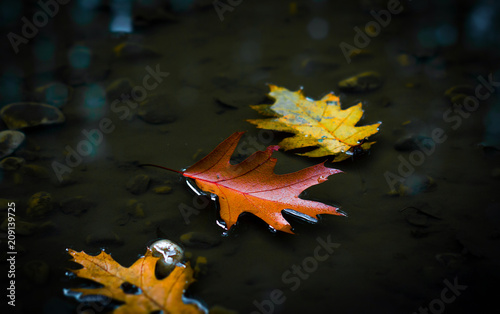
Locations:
(154, 110)
(413, 185)
(316, 65)
(133, 51)
(9, 141)
(414, 142)
(135, 209)
(199, 240)
(76, 206)
(458, 93)
(12, 163)
(39, 205)
(449, 260)
(55, 94)
(428, 210)
(119, 87)
(66, 179)
(138, 184)
(103, 237)
(164, 189)
(364, 82)
(417, 219)
(30, 114)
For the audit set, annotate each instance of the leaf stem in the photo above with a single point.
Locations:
(161, 167)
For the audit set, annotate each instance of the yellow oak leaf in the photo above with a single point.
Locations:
(320, 123)
(153, 295)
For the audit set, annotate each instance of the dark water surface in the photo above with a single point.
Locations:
(437, 248)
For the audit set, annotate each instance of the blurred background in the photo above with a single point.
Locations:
(91, 89)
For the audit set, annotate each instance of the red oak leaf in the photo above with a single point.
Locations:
(252, 186)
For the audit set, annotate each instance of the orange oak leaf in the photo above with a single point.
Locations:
(252, 186)
(321, 124)
(154, 295)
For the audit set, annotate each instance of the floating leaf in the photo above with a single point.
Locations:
(152, 294)
(321, 123)
(252, 186)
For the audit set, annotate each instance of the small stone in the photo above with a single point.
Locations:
(448, 259)
(363, 82)
(39, 205)
(317, 65)
(37, 271)
(133, 51)
(12, 163)
(135, 209)
(55, 94)
(122, 219)
(66, 179)
(103, 237)
(138, 184)
(199, 240)
(35, 171)
(428, 210)
(164, 189)
(458, 99)
(10, 141)
(414, 142)
(29, 114)
(117, 88)
(459, 89)
(238, 97)
(359, 54)
(417, 219)
(413, 185)
(154, 111)
(76, 206)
